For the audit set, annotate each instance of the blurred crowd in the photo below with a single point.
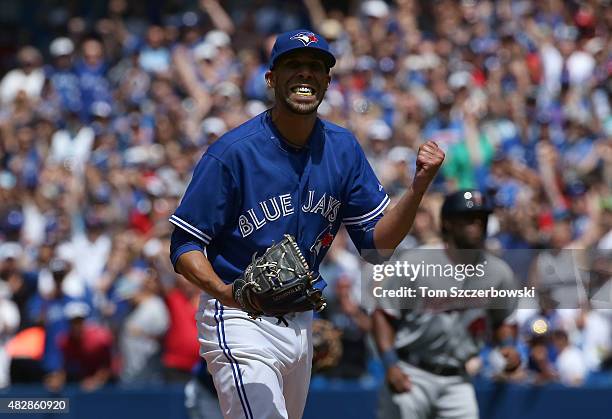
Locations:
(106, 110)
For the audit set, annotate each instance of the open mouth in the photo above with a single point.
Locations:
(302, 90)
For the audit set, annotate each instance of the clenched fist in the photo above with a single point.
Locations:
(428, 162)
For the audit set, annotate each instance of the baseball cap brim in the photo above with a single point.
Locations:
(328, 58)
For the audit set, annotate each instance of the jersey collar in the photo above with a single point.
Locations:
(315, 141)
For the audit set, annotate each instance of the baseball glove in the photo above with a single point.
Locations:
(278, 282)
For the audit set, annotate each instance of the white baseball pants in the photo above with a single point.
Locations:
(261, 369)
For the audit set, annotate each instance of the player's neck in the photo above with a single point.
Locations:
(294, 128)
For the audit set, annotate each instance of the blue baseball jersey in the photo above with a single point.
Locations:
(251, 187)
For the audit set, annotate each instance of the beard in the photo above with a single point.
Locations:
(297, 107)
(469, 244)
(467, 237)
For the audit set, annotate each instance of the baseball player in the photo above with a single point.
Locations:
(284, 172)
(425, 348)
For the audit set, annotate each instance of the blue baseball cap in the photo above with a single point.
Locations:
(301, 39)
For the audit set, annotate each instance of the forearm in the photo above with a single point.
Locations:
(186, 73)
(218, 15)
(397, 222)
(196, 268)
(384, 335)
(550, 186)
(472, 141)
(316, 12)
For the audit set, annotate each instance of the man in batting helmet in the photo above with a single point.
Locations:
(426, 345)
(464, 218)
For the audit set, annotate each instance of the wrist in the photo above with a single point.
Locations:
(389, 358)
(226, 295)
(418, 189)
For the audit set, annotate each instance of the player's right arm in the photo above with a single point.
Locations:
(196, 268)
(208, 206)
(384, 335)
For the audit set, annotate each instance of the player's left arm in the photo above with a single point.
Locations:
(397, 221)
(384, 337)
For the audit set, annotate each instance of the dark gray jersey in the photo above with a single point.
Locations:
(446, 331)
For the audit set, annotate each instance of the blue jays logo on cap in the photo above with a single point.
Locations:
(298, 39)
(307, 38)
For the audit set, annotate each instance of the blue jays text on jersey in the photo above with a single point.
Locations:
(272, 209)
(251, 187)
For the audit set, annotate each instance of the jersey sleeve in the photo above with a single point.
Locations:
(365, 203)
(209, 202)
(183, 242)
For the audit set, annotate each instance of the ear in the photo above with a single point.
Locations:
(270, 79)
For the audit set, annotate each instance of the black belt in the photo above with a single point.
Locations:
(444, 370)
(433, 368)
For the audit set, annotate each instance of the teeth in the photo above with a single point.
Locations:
(303, 91)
